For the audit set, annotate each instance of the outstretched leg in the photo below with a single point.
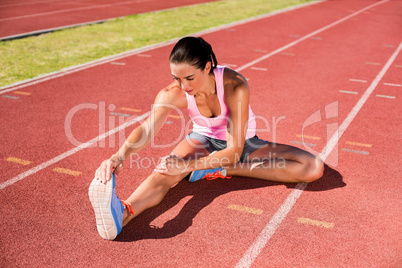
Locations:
(281, 163)
(153, 189)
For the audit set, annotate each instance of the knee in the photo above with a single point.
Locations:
(314, 170)
(165, 180)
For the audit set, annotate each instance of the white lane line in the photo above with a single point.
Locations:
(70, 152)
(259, 69)
(10, 97)
(348, 92)
(287, 54)
(308, 36)
(69, 10)
(73, 69)
(255, 249)
(355, 151)
(30, 3)
(304, 143)
(345, 124)
(392, 85)
(120, 114)
(48, 30)
(358, 80)
(386, 96)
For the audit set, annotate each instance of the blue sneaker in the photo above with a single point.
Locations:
(108, 208)
(209, 174)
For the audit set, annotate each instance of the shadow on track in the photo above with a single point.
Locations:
(203, 193)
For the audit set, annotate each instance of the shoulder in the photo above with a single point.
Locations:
(235, 84)
(172, 95)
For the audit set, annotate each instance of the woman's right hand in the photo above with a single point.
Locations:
(103, 173)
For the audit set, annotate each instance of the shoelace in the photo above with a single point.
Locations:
(128, 206)
(215, 175)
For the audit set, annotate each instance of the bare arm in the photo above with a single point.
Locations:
(167, 99)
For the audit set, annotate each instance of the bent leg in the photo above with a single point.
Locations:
(153, 189)
(281, 163)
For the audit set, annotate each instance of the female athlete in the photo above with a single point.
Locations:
(222, 143)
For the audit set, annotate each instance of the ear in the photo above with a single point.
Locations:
(208, 67)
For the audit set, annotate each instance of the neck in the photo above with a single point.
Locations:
(209, 88)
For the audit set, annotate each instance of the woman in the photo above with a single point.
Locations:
(217, 100)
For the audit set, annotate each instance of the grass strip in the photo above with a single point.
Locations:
(33, 56)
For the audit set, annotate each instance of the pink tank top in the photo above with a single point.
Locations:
(216, 127)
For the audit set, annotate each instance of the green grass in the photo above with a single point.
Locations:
(33, 56)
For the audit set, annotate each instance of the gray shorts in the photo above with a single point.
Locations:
(212, 144)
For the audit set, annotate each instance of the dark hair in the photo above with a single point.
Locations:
(194, 51)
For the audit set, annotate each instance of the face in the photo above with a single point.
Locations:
(190, 78)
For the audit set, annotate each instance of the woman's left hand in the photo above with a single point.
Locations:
(172, 165)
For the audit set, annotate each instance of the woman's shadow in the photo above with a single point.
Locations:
(203, 193)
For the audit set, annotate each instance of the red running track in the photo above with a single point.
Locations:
(338, 70)
(20, 18)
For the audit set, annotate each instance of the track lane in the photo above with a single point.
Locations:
(213, 229)
(77, 87)
(17, 20)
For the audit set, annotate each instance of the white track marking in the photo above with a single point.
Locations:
(73, 69)
(386, 96)
(392, 85)
(10, 97)
(355, 151)
(308, 36)
(255, 249)
(348, 92)
(69, 10)
(304, 143)
(47, 30)
(259, 69)
(70, 152)
(266, 234)
(345, 124)
(30, 3)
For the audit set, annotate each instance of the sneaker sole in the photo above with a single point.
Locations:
(100, 196)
